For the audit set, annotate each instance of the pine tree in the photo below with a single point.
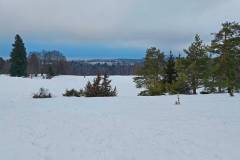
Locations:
(170, 73)
(18, 58)
(196, 63)
(96, 85)
(226, 46)
(101, 87)
(88, 90)
(149, 76)
(106, 88)
(181, 85)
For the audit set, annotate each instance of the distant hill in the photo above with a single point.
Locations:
(110, 66)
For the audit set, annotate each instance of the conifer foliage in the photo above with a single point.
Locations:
(101, 87)
(150, 75)
(170, 75)
(196, 63)
(226, 45)
(215, 68)
(18, 58)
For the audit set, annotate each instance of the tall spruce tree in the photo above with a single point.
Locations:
(170, 73)
(18, 58)
(196, 61)
(226, 46)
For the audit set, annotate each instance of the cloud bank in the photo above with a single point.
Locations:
(170, 24)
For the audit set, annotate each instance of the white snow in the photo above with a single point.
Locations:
(127, 127)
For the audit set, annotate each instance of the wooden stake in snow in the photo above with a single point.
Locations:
(178, 100)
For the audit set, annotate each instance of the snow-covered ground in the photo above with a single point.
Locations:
(127, 127)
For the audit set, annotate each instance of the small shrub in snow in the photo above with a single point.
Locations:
(100, 87)
(42, 93)
(73, 93)
(205, 92)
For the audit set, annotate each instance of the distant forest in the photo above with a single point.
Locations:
(54, 61)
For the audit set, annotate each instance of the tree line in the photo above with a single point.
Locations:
(215, 67)
(52, 63)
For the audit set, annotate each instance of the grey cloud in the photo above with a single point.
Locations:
(169, 23)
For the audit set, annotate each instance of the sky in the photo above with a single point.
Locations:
(89, 29)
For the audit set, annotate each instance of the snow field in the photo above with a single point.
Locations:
(203, 127)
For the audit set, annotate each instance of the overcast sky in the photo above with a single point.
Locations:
(111, 28)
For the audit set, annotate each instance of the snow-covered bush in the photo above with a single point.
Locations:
(73, 93)
(42, 93)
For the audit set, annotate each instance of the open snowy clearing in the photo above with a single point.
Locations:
(127, 127)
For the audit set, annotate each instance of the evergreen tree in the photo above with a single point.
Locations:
(97, 85)
(212, 78)
(50, 72)
(101, 87)
(89, 90)
(181, 85)
(106, 87)
(18, 58)
(170, 73)
(226, 46)
(2, 63)
(196, 63)
(150, 75)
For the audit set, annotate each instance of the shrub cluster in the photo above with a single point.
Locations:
(42, 93)
(100, 87)
(73, 93)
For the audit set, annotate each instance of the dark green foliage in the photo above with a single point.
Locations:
(159, 77)
(42, 93)
(171, 80)
(2, 63)
(50, 72)
(180, 86)
(106, 88)
(94, 89)
(73, 93)
(170, 73)
(89, 92)
(101, 87)
(226, 47)
(216, 68)
(212, 81)
(18, 58)
(150, 75)
(196, 63)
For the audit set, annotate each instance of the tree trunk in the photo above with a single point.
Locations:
(194, 90)
(219, 90)
(230, 91)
